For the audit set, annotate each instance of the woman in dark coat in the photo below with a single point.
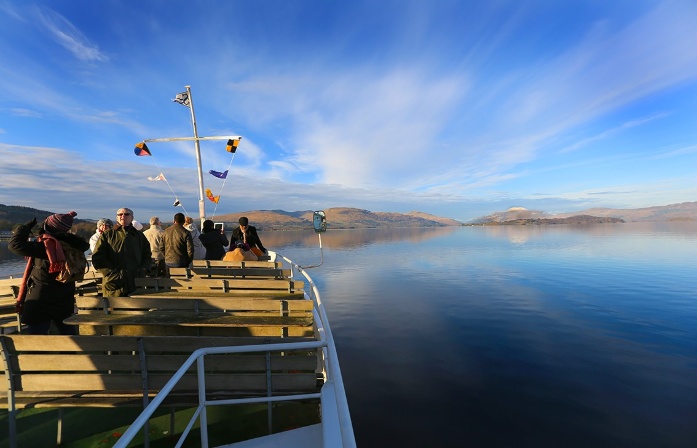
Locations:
(47, 300)
(213, 240)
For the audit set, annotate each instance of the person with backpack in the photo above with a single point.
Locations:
(47, 294)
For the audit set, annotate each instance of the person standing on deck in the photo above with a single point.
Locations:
(177, 244)
(46, 299)
(103, 225)
(246, 234)
(199, 250)
(121, 255)
(154, 236)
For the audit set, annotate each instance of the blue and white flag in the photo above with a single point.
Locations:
(219, 175)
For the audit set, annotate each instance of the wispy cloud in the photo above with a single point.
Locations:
(406, 106)
(69, 37)
(611, 132)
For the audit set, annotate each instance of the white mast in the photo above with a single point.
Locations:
(201, 203)
(196, 139)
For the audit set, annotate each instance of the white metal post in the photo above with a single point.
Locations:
(201, 203)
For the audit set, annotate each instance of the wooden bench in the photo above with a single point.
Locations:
(90, 285)
(228, 284)
(110, 371)
(9, 319)
(202, 315)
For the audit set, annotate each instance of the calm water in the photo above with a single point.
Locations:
(513, 336)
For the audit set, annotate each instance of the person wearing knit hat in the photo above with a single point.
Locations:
(103, 225)
(59, 223)
(47, 301)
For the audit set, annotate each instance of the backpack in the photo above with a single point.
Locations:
(75, 265)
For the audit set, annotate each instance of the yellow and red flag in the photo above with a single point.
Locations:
(210, 196)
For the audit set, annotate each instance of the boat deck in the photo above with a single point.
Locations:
(130, 348)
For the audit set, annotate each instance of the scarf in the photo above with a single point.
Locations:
(54, 250)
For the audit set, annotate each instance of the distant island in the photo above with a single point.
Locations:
(580, 219)
(682, 212)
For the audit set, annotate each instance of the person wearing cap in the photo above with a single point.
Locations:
(121, 255)
(154, 236)
(47, 300)
(103, 225)
(247, 235)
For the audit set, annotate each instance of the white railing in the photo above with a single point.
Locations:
(331, 359)
(341, 425)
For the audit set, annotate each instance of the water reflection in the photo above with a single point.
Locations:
(5, 253)
(523, 234)
(352, 238)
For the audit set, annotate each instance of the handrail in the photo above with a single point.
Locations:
(197, 356)
(345, 423)
(332, 372)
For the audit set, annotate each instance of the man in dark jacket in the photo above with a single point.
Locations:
(246, 234)
(177, 244)
(121, 255)
(47, 300)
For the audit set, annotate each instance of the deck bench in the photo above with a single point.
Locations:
(9, 319)
(218, 284)
(112, 371)
(233, 316)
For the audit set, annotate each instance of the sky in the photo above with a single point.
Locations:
(454, 108)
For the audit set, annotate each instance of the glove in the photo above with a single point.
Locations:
(30, 225)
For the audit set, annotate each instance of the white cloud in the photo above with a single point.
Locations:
(69, 37)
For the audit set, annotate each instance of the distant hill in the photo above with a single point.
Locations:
(512, 214)
(11, 215)
(686, 211)
(15, 214)
(576, 219)
(337, 218)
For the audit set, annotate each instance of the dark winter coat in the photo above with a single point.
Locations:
(121, 255)
(47, 299)
(178, 246)
(215, 243)
(252, 237)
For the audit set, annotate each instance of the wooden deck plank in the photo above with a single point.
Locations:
(212, 293)
(216, 284)
(202, 304)
(187, 320)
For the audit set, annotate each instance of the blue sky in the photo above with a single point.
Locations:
(455, 108)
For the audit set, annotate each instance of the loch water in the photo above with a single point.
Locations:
(540, 336)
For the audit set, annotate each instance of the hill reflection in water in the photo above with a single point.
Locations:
(351, 238)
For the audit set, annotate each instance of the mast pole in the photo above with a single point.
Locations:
(201, 203)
